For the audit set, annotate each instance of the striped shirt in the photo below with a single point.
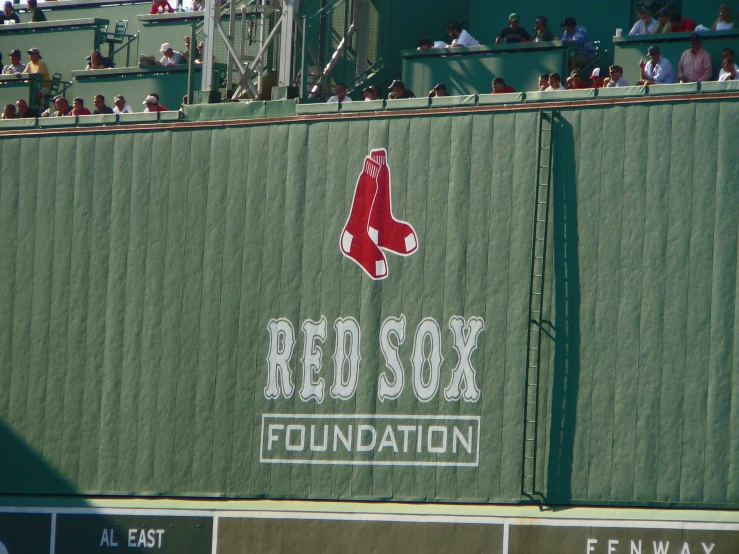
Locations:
(695, 67)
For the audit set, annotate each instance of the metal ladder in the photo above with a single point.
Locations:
(536, 302)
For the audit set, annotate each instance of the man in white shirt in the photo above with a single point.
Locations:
(340, 95)
(120, 105)
(646, 25)
(555, 82)
(728, 67)
(460, 37)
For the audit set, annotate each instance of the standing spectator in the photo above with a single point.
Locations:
(577, 34)
(78, 107)
(170, 56)
(543, 82)
(62, 107)
(725, 20)
(695, 63)
(664, 25)
(575, 81)
(555, 82)
(438, 90)
(657, 70)
(459, 36)
(100, 107)
(616, 78)
(514, 33)
(152, 105)
(499, 86)
(38, 66)
(160, 6)
(598, 80)
(728, 67)
(120, 105)
(543, 34)
(23, 111)
(681, 25)
(399, 91)
(340, 95)
(97, 61)
(9, 111)
(186, 53)
(37, 15)
(9, 15)
(646, 25)
(15, 66)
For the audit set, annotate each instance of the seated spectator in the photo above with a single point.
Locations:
(438, 90)
(160, 6)
(170, 56)
(37, 66)
(155, 95)
(597, 78)
(695, 63)
(577, 34)
(575, 81)
(340, 95)
(369, 94)
(725, 20)
(555, 82)
(199, 59)
(399, 91)
(543, 34)
(499, 86)
(37, 15)
(23, 111)
(646, 25)
(9, 15)
(9, 111)
(514, 33)
(100, 107)
(657, 70)
(120, 105)
(459, 36)
(664, 25)
(543, 82)
(97, 61)
(728, 67)
(681, 25)
(62, 107)
(78, 107)
(152, 105)
(616, 78)
(186, 51)
(15, 67)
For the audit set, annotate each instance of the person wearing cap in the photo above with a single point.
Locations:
(171, 57)
(646, 25)
(695, 63)
(121, 106)
(38, 66)
(555, 82)
(37, 15)
(152, 105)
(577, 34)
(725, 21)
(543, 34)
(597, 79)
(728, 67)
(499, 86)
(543, 82)
(340, 95)
(15, 66)
(62, 107)
(616, 77)
(9, 15)
(399, 91)
(664, 25)
(514, 33)
(100, 107)
(9, 112)
(160, 6)
(23, 111)
(438, 90)
(97, 61)
(657, 70)
(681, 25)
(575, 81)
(459, 36)
(78, 107)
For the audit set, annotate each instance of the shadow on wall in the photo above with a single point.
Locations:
(566, 377)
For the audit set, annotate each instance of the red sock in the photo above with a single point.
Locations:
(356, 243)
(388, 232)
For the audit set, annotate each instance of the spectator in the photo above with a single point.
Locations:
(15, 66)
(514, 33)
(62, 107)
(695, 63)
(199, 59)
(664, 25)
(97, 61)
(460, 37)
(555, 82)
(152, 105)
(369, 94)
(78, 107)
(499, 86)
(170, 57)
(575, 81)
(37, 15)
(340, 95)
(728, 67)
(100, 107)
(438, 90)
(155, 95)
(543, 82)
(120, 105)
(577, 34)
(9, 111)
(646, 25)
(38, 66)
(616, 78)
(725, 20)
(399, 91)
(197, 6)
(186, 52)
(657, 70)
(680, 25)
(160, 6)
(23, 111)
(598, 80)
(9, 15)
(425, 44)
(543, 34)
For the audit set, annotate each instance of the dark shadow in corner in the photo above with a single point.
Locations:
(566, 373)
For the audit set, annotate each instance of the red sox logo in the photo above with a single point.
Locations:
(371, 225)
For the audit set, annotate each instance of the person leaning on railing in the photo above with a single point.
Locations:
(725, 20)
(37, 16)
(9, 15)
(15, 67)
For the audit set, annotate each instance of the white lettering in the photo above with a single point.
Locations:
(591, 546)
(466, 444)
(104, 540)
(313, 331)
(634, 549)
(686, 549)
(301, 433)
(405, 429)
(348, 340)
(388, 440)
(346, 440)
(150, 540)
(281, 344)
(132, 538)
(437, 449)
(425, 390)
(707, 549)
(386, 388)
(313, 446)
(465, 342)
(271, 437)
(662, 548)
(612, 544)
(419, 438)
(160, 533)
(361, 447)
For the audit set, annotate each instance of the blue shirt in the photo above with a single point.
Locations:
(580, 36)
(661, 73)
